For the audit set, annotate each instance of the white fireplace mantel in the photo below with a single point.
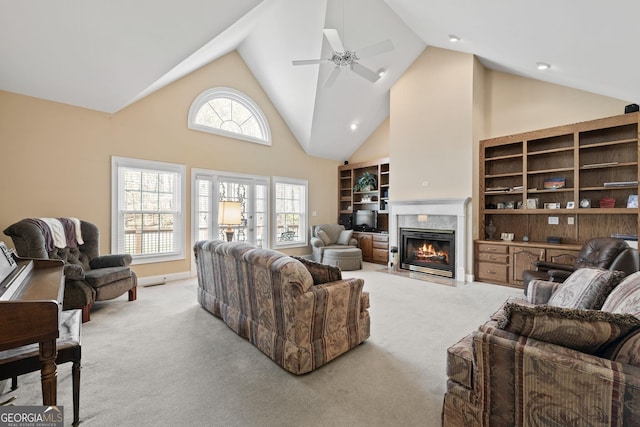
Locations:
(456, 207)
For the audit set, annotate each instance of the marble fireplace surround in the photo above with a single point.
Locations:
(435, 214)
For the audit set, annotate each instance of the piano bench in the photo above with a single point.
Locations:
(25, 359)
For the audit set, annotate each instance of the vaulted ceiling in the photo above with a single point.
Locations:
(106, 54)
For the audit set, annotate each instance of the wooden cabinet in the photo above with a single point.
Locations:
(365, 243)
(492, 262)
(504, 262)
(374, 246)
(529, 181)
(561, 256)
(535, 184)
(380, 248)
(523, 258)
(377, 199)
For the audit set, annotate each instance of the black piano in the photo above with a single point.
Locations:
(31, 292)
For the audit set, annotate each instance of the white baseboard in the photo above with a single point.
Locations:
(163, 278)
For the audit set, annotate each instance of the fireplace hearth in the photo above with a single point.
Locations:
(428, 251)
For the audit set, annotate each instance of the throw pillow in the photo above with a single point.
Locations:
(585, 288)
(320, 273)
(540, 291)
(625, 350)
(584, 330)
(498, 315)
(625, 298)
(322, 235)
(345, 237)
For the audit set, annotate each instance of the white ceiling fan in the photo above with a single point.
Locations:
(343, 58)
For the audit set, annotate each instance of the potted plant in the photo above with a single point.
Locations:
(366, 182)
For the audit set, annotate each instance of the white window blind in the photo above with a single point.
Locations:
(290, 201)
(148, 209)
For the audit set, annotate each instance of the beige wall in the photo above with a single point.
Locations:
(374, 147)
(57, 159)
(431, 127)
(516, 104)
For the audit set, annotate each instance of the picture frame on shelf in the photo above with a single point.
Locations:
(632, 201)
(553, 183)
(552, 205)
(571, 205)
(532, 203)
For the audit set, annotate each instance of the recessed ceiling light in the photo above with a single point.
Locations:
(453, 38)
(542, 65)
(354, 126)
(381, 72)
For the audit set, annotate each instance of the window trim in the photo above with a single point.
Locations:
(304, 241)
(181, 227)
(234, 95)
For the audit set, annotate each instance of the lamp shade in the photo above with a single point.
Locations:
(230, 213)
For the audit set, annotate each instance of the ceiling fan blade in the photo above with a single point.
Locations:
(365, 72)
(308, 61)
(334, 39)
(375, 49)
(332, 77)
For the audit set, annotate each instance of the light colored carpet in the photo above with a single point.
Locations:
(165, 361)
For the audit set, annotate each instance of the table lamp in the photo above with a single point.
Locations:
(230, 213)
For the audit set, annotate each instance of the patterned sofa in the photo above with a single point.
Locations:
(569, 355)
(299, 313)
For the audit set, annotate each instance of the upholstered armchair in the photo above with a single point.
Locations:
(89, 277)
(330, 236)
(601, 252)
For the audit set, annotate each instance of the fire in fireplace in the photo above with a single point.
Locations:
(428, 251)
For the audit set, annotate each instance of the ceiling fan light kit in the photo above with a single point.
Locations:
(343, 58)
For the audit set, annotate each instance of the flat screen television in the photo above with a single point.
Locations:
(365, 220)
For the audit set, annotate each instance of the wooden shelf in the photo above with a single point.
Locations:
(350, 201)
(586, 155)
(532, 172)
(553, 150)
(609, 143)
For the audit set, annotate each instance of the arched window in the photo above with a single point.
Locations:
(228, 112)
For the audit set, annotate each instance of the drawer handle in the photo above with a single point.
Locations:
(492, 272)
(492, 257)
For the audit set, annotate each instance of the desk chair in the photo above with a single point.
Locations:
(25, 359)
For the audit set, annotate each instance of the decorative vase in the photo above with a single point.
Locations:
(490, 229)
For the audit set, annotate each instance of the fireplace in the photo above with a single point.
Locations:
(428, 251)
(435, 214)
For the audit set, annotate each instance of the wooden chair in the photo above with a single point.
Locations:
(25, 359)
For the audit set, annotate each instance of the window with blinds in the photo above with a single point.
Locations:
(290, 210)
(148, 205)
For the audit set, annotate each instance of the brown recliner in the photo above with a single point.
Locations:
(602, 252)
(89, 277)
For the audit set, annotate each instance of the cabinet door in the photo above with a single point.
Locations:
(365, 243)
(522, 258)
(560, 256)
